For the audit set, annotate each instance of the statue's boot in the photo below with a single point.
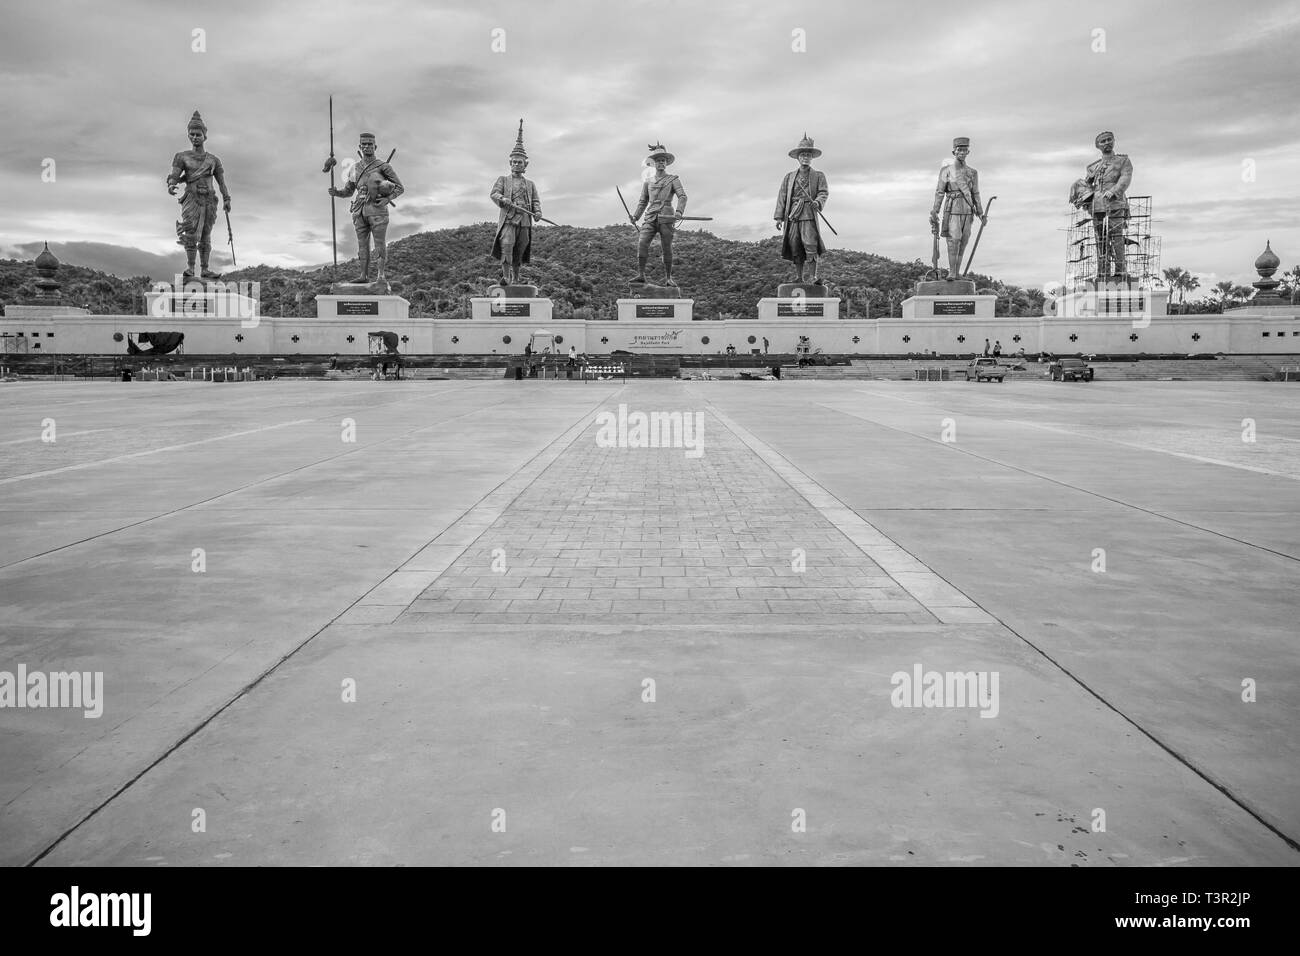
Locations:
(207, 272)
(364, 278)
(189, 268)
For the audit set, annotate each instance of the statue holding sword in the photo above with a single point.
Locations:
(656, 203)
(520, 206)
(799, 204)
(203, 176)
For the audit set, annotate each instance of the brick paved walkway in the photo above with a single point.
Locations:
(649, 535)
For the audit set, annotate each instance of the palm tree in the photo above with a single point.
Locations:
(1293, 279)
(1174, 276)
(1190, 284)
(1223, 290)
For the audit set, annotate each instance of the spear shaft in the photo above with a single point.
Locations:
(334, 225)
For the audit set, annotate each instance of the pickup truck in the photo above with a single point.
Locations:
(985, 368)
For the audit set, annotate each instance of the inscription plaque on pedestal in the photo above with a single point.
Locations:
(800, 309)
(657, 311)
(951, 307)
(357, 307)
(504, 309)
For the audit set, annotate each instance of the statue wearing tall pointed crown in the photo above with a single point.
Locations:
(520, 207)
(202, 174)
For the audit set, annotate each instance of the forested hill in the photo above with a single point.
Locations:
(580, 269)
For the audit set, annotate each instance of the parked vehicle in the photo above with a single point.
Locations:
(985, 368)
(1071, 369)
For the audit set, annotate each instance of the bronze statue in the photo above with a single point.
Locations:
(657, 203)
(197, 169)
(376, 186)
(799, 202)
(1104, 189)
(959, 187)
(520, 207)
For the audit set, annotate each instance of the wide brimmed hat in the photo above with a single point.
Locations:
(656, 151)
(805, 144)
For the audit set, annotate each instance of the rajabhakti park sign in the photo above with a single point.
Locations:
(671, 340)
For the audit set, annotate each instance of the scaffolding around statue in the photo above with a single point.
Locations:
(1141, 251)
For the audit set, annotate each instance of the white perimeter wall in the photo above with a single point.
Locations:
(1241, 330)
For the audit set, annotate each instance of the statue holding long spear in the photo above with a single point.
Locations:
(329, 168)
(374, 186)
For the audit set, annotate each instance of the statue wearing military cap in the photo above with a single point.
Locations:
(956, 204)
(374, 186)
(1104, 191)
(799, 202)
(198, 170)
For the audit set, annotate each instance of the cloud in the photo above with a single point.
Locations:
(106, 91)
(122, 261)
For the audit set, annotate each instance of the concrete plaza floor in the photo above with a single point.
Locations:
(502, 593)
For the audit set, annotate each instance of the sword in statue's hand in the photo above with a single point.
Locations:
(540, 218)
(625, 207)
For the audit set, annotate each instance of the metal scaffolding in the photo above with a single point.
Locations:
(1141, 249)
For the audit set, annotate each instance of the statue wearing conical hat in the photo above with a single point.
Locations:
(799, 202)
(956, 203)
(373, 186)
(656, 203)
(1104, 190)
(520, 205)
(198, 170)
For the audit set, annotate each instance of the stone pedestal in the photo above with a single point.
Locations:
(655, 310)
(949, 307)
(201, 300)
(42, 311)
(361, 306)
(377, 287)
(514, 291)
(965, 287)
(510, 307)
(797, 307)
(809, 290)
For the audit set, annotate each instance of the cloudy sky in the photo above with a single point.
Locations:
(1199, 94)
